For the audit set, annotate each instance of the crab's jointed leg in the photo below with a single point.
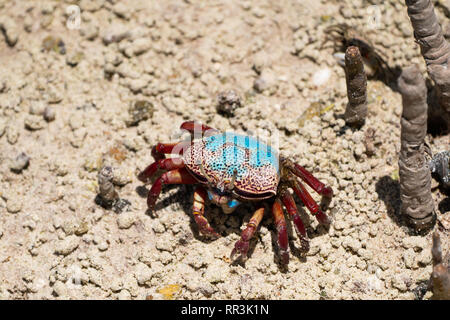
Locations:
(280, 223)
(199, 210)
(163, 164)
(309, 202)
(160, 149)
(176, 176)
(242, 245)
(291, 208)
(312, 181)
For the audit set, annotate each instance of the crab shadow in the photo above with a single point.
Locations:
(227, 224)
(184, 198)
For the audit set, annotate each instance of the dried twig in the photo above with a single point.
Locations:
(436, 52)
(356, 111)
(440, 277)
(415, 176)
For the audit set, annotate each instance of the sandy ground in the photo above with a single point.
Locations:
(87, 71)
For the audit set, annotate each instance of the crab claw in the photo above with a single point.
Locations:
(240, 247)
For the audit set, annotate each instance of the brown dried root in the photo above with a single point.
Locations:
(440, 277)
(415, 177)
(356, 111)
(436, 52)
(344, 36)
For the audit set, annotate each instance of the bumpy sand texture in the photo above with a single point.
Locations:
(73, 100)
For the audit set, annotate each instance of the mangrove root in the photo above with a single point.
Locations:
(356, 111)
(436, 52)
(440, 277)
(415, 177)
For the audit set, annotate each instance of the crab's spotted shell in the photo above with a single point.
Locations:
(255, 163)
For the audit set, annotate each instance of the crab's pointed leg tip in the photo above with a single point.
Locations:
(304, 245)
(209, 233)
(323, 218)
(285, 257)
(141, 177)
(151, 209)
(234, 256)
(213, 236)
(238, 254)
(328, 192)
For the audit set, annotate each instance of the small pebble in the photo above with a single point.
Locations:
(140, 110)
(164, 243)
(49, 114)
(20, 163)
(74, 58)
(137, 47)
(124, 295)
(415, 242)
(143, 274)
(9, 29)
(116, 33)
(37, 107)
(122, 10)
(260, 84)
(59, 289)
(34, 122)
(228, 102)
(126, 220)
(14, 205)
(215, 272)
(103, 246)
(67, 246)
(398, 282)
(89, 31)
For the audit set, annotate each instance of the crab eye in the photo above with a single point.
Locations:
(233, 203)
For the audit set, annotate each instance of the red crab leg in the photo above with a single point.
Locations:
(177, 176)
(164, 164)
(199, 210)
(309, 202)
(242, 245)
(312, 181)
(160, 149)
(291, 208)
(196, 127)
(280, 223)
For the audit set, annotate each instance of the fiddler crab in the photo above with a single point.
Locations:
(229, 169)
